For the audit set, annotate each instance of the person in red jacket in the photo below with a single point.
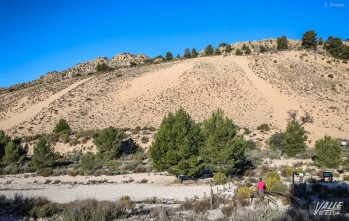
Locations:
(261, 188)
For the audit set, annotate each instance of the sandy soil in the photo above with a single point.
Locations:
(80, 187)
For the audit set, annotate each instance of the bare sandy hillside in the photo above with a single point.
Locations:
(252, 90)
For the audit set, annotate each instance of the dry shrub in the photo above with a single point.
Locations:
(228, 210)
(187, 205)
(56, 182)
(144, 181)
(125, 202)
(201, 206)
(73, 173)
(45, 172)
(162, 214)
(93, 210)
(152, 200)
(140, 169)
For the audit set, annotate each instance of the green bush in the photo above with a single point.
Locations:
(238, 52)
(282, 43)
(309, 39)
(102, 67)
(262, 49)
(275, 141)
(62, 126)
(263, 127)
(330, 76)
(328, 152)
(88, 161)
(220, 178)
(279, 187)
(250, 145)
(246, 49)
(243, 193)
(286, 171)
(346, 178)
(145, 140)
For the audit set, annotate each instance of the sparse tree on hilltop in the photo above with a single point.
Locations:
(209, 50)
(217, 51)
(321, 41)
(169, 56)
(101, 67)
(222, 44)
(282, 43)
(178, 56)
(328, 152)
(309, 39)
(194, 53)
(228, 48)
(187, 53)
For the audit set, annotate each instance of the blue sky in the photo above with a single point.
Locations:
(38, 36)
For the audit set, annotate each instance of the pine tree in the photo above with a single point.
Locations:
(194, 53)
(4, 140)
(187, 53)
(294, 139)
(176, 144)
(169, 56)
(178, 56)
(43, 154)
(223, 150)
(209, 50)
(309, 40)
(228, 49)
(282, 43)
(321, 41)
(328, 152)
(11, 153)
(108, 142)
